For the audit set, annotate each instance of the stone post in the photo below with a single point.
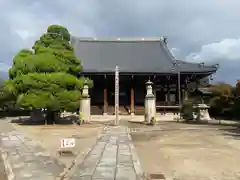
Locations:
(85, 105)
(150, 105)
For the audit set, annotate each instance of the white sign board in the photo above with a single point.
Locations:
(67, 143)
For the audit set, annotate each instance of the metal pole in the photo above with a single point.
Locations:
(117, 95)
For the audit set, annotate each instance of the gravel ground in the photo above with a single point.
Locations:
(189, 152)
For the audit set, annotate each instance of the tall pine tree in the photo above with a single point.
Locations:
(47, 76)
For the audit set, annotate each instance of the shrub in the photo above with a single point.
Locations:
(187, 110)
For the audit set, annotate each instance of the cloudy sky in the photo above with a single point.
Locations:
(199, 31)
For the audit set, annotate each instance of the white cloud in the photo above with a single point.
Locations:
(191, 25)
(24, 33)
(4, 67)
(28, 24)
(227, 49)
(176, 53)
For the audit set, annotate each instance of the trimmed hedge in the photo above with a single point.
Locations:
(187, 110)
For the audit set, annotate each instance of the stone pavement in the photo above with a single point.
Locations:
(25, 159)
(112, 158)
(4, 127)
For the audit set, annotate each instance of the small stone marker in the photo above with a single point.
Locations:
(66, 145)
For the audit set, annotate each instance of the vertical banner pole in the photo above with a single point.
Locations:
(117, 95)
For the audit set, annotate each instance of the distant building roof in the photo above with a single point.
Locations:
(140, 55)
(205, 91)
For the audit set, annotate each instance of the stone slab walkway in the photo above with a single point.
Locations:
(112, 158)
(25, 159)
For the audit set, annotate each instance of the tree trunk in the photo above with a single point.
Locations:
(36, 115)
(50, 117)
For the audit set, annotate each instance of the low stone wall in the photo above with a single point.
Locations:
(136, 118)
(168, 116)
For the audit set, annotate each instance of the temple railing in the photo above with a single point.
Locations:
(165, 103)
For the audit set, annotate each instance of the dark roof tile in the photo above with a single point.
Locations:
(149, 55)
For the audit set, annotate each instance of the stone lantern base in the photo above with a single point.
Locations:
(202, 112)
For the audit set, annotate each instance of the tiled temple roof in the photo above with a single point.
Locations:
(132, 55)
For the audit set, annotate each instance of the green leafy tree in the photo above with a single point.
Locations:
(222, 100)
(236, 104)
(47, 76)
(7, 100)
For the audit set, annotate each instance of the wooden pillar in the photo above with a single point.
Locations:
(186, 94)
(105, 101)
(168, 95)
(165, 91)
(168, 91)
(132, 101)
(186, 89)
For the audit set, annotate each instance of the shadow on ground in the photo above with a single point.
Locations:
(30, 121)
(61, 121)
(145, 136)
(27, 121)
(133, 124)
(142, 132)
(226, 128)
(233, 132)
(213, 123)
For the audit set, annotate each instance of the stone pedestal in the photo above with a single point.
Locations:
(85, 105)
(202, 112)
(150, 105)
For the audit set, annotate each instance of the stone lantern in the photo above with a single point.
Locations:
(85, 105)
(150, 104)
(202, 112)
(202, 108)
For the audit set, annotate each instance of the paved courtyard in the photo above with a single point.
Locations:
(168, 150)
(189, 152)
(49, 137)
(30, 152)
(4, 127)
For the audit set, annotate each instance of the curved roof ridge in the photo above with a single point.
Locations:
(168, 53)
(185, 62)
(117, 39)
(188, 62)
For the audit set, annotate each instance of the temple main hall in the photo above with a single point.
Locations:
(139, 60)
